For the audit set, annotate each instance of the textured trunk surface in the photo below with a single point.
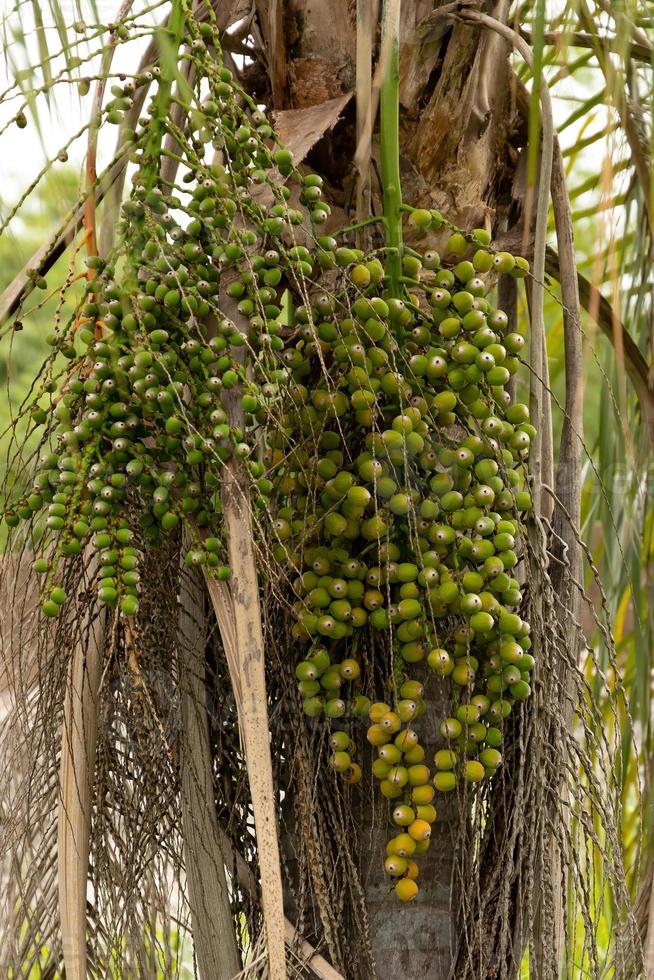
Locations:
(417, 939)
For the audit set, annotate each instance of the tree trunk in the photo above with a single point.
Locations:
(418, 939)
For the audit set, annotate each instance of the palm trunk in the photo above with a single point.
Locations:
(455, 117)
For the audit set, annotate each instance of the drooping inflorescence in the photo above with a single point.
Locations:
(385, 457)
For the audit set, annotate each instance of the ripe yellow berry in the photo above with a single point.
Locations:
(450, 728)
(426, 812)
(445, 782)
(473, 771)
(398, 776)
(414, 755)
(340, 761)
(403, 815)
(403, 844)
(390, 754)
(360, 276)
(395, 865)
(377, 736)
(408, 739)
(440, 662)
(463, 674)
(380, 768)
(412, 870)
(390, 722)
(407, 709)
(490, 758)
(422, 795)
(420, 830)
(418, 775)
(341, 742)
(445, 759)
(349, 670)
(406, 889)
(377, 711)
(412, 689)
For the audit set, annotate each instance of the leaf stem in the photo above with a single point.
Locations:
(359, 224)
(390, 141)
(170, 41)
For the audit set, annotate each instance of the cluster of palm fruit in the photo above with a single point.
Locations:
(141, 417)
(400, 480)
(385, 457)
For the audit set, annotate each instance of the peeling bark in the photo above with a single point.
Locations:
(213, 927)
(77, 771)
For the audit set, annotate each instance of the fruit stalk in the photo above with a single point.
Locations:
(169, 43)
(390, 142)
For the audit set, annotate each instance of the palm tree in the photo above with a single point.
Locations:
(163, 787)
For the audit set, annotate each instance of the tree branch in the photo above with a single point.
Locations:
(579, 39)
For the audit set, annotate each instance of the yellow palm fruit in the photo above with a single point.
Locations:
(418, 775)
(398, 776)
(467, 714)
(407, 739)
(412, 870)
(414, 755)
(340, 742)
(390, 722)
(490, 758)
(391, 754)
(377, 711)
(473, 771)
(440, 661)
(420, 830)
(380, 768)
(426, 812)
(377, 736)
(463, 674)
(403, 815)
(406, 889)
(349, 670)
(445, 759)
(340, 761)
(402, 844)
(450, 728)
(412, 690)
(395, 865)
(407, 709)
(445, 781)
(422, 795)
